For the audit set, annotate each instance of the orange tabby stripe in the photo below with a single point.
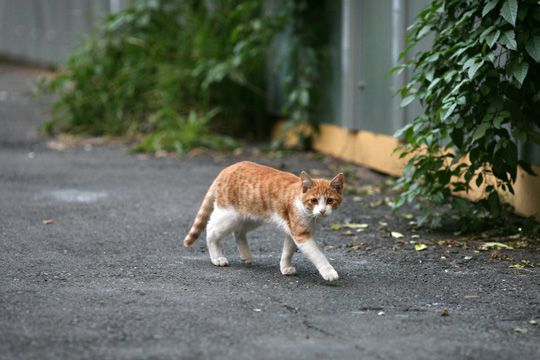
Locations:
(201, 219)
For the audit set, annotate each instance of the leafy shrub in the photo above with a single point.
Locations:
(145, 62)
(175, 133)
(175, 57)
(480, 90)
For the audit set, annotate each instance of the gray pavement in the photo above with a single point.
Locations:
(108, 280)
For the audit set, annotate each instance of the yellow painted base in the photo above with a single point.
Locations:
(362, 147)
(376, 151)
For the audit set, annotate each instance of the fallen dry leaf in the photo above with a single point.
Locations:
(420, 247)
(57, 145)
(497, 255)
(368, 189)
(522, 265)
(356, 246)
(517, 266)
(376, 203)
(519, 244)
(494, 245)
(356, 226)
(396, 235)
(335, 227)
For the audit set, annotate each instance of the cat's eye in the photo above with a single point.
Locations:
(330, 201)
(314, 201)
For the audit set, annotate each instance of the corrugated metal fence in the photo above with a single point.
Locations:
(44, 31)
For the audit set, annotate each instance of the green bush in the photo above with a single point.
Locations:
(480, 90)
(148, 60)
(181, 57)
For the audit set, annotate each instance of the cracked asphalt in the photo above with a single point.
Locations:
(107, 278)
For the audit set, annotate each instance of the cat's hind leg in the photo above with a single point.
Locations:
(243, 247)
(285, 265)
(222, 223)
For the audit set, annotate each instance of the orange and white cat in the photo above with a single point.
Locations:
(246, 195)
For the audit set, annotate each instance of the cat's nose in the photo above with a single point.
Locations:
(322, 211)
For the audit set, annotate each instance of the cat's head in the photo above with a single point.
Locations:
(320, 197)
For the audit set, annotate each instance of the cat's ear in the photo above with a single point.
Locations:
(307, 182)
(337, 182)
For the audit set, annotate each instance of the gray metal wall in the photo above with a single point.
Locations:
(365, 46)
(366, 38)
(373, 37)
(44, 31)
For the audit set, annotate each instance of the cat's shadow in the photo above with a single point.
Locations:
(266, 268)
(269, 271)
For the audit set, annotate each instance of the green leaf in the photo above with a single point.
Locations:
(511, 154)
(474, 68)
(481, 131)
(401, 131)
(489, 6)
(469, 63)
(449, 112)
(533, 48)
(492, 38)
(409, 99)
(494, 206)
(429, 75)
(479, 180)
(509, 11)
(508, 39)
(426, 29)
(433, 57)
(498, 121)
(527, 167)
(457, 137)
(519, 70)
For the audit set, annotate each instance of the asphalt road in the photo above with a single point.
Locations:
(108, 280)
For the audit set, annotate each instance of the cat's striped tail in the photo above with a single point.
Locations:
(202, 217)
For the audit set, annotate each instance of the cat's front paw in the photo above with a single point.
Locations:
(329, 274)
(220, 261)
(288, 270)
(246, 262)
